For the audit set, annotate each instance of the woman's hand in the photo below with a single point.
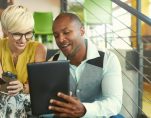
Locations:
(14, 87)
(26, 88)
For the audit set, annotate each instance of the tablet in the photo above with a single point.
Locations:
(46, 79)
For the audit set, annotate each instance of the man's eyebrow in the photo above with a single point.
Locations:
(65, 28)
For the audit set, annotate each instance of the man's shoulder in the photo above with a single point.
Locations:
(98, 61)
(101, 53)
(107, 52)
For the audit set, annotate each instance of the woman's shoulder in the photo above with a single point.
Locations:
(3, 46)
(33, 42)
(3, 40)
(35, 45)
(39, 50)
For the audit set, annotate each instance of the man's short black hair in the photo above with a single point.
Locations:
(72, 16)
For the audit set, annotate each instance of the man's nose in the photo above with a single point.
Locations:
(61, 38)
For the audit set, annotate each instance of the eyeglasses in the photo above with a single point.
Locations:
(18, 36)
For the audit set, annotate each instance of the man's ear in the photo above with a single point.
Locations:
(82, 30)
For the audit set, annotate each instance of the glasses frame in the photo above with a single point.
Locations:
(21, 35)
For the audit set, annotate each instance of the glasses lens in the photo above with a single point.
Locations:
(29, 35)
(17, 36)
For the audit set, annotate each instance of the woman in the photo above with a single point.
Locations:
(15, 52)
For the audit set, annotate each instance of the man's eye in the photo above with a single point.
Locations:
(55, 35)
(66, 32)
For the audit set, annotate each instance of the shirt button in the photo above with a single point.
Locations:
(78, 90)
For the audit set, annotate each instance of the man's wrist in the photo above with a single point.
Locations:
(84, 111)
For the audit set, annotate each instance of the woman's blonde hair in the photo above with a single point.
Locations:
(16, 18)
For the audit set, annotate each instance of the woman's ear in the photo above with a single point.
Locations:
(5, 33)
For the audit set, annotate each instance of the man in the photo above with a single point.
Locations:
(95, 76)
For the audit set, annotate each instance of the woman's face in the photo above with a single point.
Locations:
(18, 40)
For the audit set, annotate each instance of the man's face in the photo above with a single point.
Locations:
(68, 35)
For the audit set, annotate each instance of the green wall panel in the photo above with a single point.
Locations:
(95, 11)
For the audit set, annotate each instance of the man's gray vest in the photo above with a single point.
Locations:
(88, 89)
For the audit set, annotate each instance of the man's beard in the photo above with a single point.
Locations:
(74, 52)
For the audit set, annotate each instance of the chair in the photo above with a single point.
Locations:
(43, 26)
(117, 116)
(50, 53)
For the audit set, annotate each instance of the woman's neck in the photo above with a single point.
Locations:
(15, 54)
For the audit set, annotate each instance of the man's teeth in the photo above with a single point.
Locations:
(63, 46)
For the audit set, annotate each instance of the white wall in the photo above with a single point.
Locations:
(1, 33)
(41, 5)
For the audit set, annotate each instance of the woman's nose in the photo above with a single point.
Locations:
(23, 38)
